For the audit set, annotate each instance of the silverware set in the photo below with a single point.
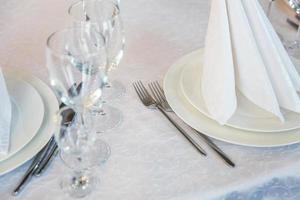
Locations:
(157, 100)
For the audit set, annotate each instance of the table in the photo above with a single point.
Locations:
(149, 160)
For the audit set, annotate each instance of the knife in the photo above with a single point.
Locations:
(42, 159)
(44, 167)
(34, 165)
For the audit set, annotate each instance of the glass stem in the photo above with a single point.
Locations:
(79, 179)
(83, 137)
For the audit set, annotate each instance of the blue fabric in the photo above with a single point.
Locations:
(277, 189)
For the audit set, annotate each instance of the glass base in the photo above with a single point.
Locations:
(107, 119)
(113, 90)
(79, 184)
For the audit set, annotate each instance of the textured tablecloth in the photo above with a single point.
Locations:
(150, 159)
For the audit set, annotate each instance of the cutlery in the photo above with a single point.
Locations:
(34, 165)
(159, 95)
(42, 159)
(149, 102)
(46, 162)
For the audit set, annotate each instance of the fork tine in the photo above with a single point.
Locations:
(138, 92)
(136, 89)
(153, 93)
(160, 89)
(157, 92)
(161, 96)
(144, 89)
(141, 89)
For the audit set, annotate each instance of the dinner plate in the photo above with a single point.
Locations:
(248, 116)
(27, 113)
(192, 116)
(46, 130)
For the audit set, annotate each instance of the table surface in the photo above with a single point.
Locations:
(150, 159)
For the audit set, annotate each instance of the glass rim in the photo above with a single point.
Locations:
(50, 48)
(116, 7)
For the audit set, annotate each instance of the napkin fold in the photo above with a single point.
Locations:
(257, 65)
(223, 82)
(5, 116)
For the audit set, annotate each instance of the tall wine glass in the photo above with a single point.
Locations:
(77, 56)
(80, 156)
(106, 15)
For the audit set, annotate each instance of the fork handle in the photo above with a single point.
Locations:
(216, 149)
(181, 130)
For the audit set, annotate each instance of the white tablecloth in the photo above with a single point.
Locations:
(150, 159)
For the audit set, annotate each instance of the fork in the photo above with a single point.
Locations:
(149, 102)
(160, 97)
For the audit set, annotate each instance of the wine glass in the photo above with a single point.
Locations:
(106, 15)
(77, 57)
(80, 156)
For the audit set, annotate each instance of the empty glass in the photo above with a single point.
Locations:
(81, 156)
(77, 63)
(106, 15)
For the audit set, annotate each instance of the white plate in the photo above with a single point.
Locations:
(248, 116)
(27, 113)
(188, 113)
(45, 132)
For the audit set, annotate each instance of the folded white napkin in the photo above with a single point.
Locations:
(243, 52)
(218, 82)
(5, 116)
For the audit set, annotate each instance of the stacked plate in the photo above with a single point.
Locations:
(33, 105)
(250, 125)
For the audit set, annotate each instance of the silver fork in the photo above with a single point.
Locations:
(149, 102)
(160, 97)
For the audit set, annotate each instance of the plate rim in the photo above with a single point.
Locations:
(13, 78)
(235, 121)
(46, 130)
(209, 127)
